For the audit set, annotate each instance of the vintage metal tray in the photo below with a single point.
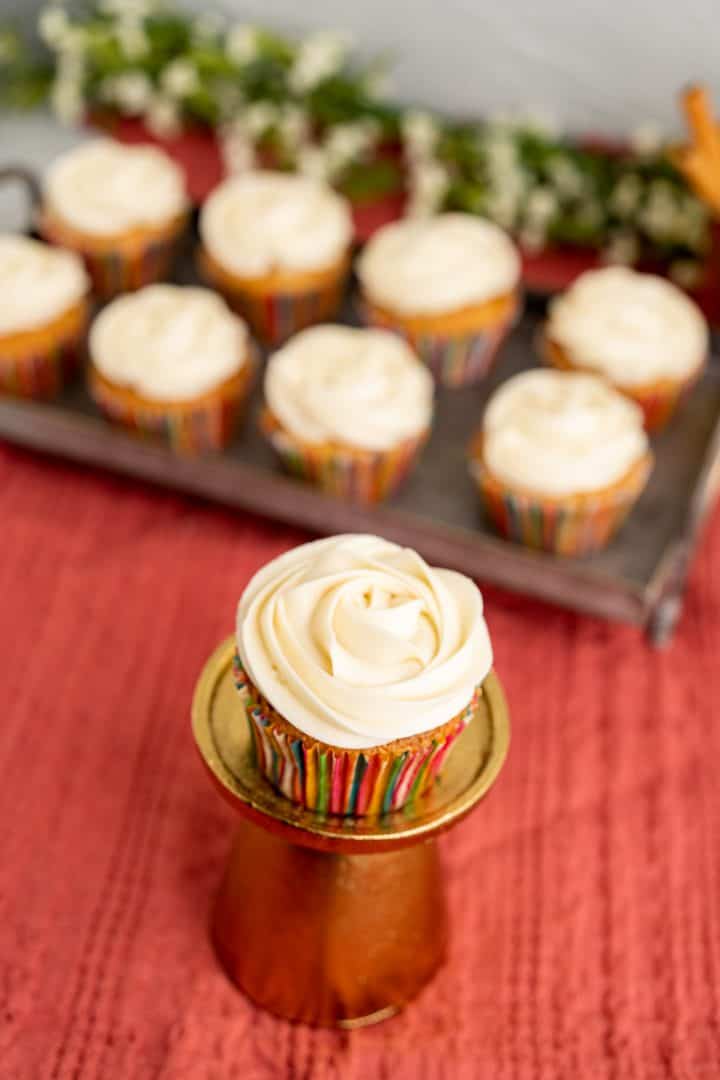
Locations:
(639, 578)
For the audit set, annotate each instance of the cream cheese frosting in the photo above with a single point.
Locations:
(260, 221)
(365, 388)
(103, 187)
(357, 641)
(38, 283)
(558, 433)
(438, 264)
(168, 342)
(632, 328)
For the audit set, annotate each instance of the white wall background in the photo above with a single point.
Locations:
(605, 65)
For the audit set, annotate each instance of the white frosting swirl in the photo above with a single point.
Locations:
(104, 187)
(357, 641)
(168, 342)
(365, 388)
(559, 433)
(38, 283)
(438, 264)
(633, 328)
(263, 221)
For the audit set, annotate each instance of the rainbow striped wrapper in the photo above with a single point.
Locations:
(189, 428)
(120, 270)
(454, 360)
(577, 525)
(275, 317)
(330, 780)
(44, 370)
(362, 476)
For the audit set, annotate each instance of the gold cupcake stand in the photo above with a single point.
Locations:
(326, 920)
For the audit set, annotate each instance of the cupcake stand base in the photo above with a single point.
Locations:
(321, 919)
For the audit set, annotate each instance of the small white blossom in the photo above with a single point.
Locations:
(241, 43)
(293, 125)
(259, 118)
(345, 143)
(319, 57)
(428, 185)
(687, 273)
(163, 116)
(180, 78)
(420, 133)
(312, 161)
(502, 206)
(542, 205)
(626, 195)
(237, 150)
(53, 24)
(66, 99)
(539, 120)
(533, 238)
(565, 177)
(646, 140)
(131, 91)
(622, 249)
(500, 151)
(132, 38)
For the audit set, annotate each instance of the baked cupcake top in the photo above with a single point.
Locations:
(558, 433)
(105, 188)
(633, 328)
(357, 641)
(260, 221)
(168, 342)
(337, 384)
(38, 283)
(438, 264)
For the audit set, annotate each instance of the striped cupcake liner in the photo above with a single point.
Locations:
(360, 476)
(42, 372)
(454, 360)
(117, 271)
(575, 526)
(329, 780)
(189, 429)
(277, 316)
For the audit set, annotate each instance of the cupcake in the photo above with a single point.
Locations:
(43, 315)
(277, 246)
(560, 460)
(638, 331)
(358, 665)
(174, 361)
(123, 208)
(449, 285)
(347, 410)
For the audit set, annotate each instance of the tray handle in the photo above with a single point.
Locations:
(28, 179)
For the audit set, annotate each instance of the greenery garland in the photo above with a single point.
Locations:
(304, 104)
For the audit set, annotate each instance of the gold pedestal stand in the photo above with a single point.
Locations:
(332, 921)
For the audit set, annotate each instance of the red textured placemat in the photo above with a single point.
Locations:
(585, 893)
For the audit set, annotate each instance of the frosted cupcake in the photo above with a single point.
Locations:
(43, 316)
(560, 460)
(123, 208)
(358, 666)
(347, 410)
(637, 330)
(449, 285)
(278, 247)
(174, 361)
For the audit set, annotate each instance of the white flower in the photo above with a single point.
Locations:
(66, 98)
(646, 140)
(53, 24)
(131, 91)
(293, 125)
(502, 206)
(539, 120)
(163, 116)
(500, 151)
(312, 161)
(687, 273)
(319, 57)
(565, 177)
(420, 133)
(180, 78)
(532, 237)
(132, 38)
(237, 150)
(345, 143)
(626, 195)
(542, 205)
(259, 117)
(241, 43)
(622, 249)
(428, 184)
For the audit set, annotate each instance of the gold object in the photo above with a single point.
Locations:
(329, 920)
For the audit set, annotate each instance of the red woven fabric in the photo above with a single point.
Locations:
(585, 893)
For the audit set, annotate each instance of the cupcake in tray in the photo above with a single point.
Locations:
(43, 316)
(449, 285)
(358, 666)
(172, 360)
(123, 208)
(347, 409)
(639, 331)
(278, 247)
(560, 460)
